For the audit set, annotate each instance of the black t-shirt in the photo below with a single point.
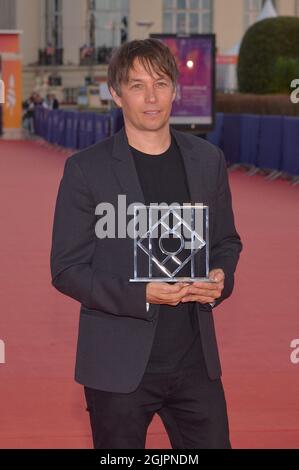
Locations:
(177, 340)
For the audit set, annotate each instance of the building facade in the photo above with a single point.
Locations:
(66, 42)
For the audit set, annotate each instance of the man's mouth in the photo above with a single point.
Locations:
(153, 112)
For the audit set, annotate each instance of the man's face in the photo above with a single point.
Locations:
(146, 100)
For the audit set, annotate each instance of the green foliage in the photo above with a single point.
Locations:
(269, 56)
(285, 70)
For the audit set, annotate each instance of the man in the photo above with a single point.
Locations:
(51, 102)
(145, 348)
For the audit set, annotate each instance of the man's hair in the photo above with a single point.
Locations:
(152, 54)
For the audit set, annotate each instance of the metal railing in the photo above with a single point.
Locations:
(94, 55)
(50, 57)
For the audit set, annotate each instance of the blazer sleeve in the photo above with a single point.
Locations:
(225, 244)
(73, 246)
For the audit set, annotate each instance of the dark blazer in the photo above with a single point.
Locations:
(116, 331)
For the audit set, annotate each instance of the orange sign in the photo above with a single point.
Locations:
(11, 75)
(12, 108)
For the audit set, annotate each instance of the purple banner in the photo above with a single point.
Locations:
(194, 101)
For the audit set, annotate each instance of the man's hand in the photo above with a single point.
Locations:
(164, 293)
(206, 292)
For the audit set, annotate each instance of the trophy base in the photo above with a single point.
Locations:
(177, 279)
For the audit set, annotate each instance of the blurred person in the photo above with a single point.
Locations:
(28, 114)
(55, 102)
(51, 102)
(29, 106)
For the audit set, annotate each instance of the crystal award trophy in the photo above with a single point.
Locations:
(171, 243)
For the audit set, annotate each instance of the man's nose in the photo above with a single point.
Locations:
(150, 94)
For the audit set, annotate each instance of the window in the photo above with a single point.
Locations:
(252, 10)
(187, 16)
(7, 14)
(53, 28)
(111, 22)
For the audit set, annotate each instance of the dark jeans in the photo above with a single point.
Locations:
(191, 406)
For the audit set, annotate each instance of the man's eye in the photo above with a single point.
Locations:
(162, 84)
(138, 85)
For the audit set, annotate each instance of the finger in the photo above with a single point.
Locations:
(217, 275)
(196, 298)
(168, 297)
(178, 297)
(162, 288)
(173, 288)
(207, 285)
(205, 292)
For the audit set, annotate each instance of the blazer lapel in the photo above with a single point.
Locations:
(124, 169)
(193, 167)
(194, 171)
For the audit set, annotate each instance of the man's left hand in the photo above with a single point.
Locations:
(206, 292)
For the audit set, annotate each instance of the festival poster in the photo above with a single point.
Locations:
(195, 91)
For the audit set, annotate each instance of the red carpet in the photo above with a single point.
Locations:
(40, 404)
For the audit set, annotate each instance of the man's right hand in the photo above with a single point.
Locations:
(164, 293)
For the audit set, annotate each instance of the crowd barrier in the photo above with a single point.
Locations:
(74, 129)
(260, 141)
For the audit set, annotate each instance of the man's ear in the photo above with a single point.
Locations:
(116, 98)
